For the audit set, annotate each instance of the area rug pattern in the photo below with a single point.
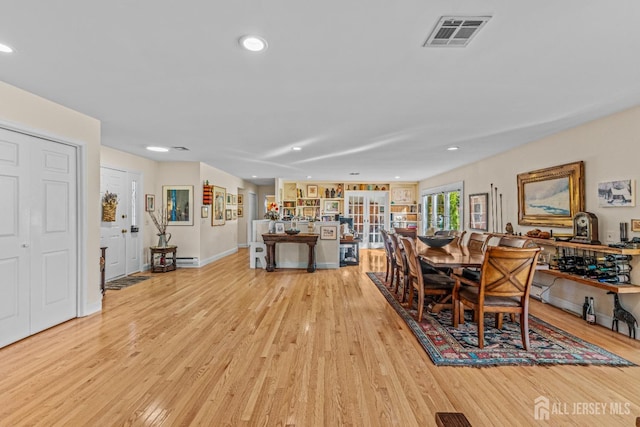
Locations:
(117, 284)
(449, 346)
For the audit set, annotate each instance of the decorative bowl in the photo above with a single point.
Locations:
(292, 231)
(436, 241)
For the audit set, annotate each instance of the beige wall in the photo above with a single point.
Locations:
(610, 148)
(36, 115)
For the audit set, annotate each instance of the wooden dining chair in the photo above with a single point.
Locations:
(407, 232)
(437, 285)
(391, 259)
(402, 268)
(505, 282)
(477, 242)
(516, 242)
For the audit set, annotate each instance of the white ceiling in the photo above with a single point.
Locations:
(349, 81)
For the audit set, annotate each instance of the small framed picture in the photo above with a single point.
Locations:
(227, 215)
(229, 199)
(149, 202)
(240, 200)
(328, 232)
(279, 227)
(204, 212)
(635, 225)
(312, 191)
(234, 214)
(240, 211)
(331, 206)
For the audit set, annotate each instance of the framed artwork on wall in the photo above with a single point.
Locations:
(178, 203)
(551, 196)
(312, 191)
(227, 215)
(328, 232)
(617, 193)
(219, 199)
(204, 212)
(240, 199)
(478, 219)
(240, 211)
(149, 202)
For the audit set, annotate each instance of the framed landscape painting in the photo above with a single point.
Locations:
(551, 197)
(617, 194)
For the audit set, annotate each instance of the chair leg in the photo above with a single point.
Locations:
(480, 324)
(386, 277)
(524, 329)
(499, 317)
(513, 317)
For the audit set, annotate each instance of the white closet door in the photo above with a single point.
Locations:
(38, 235)
(54, 223)
(14, 237)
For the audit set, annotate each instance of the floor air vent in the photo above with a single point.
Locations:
(455, 30)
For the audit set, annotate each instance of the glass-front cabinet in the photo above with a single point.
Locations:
(370, 215)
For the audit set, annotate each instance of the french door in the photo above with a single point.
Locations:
(370, 214)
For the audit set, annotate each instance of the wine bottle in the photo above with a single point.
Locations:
(585, 306)
(591, 313)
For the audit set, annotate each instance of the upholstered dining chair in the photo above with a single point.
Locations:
(391, 259)
(504, 286)
(402, 269)
(435, 284)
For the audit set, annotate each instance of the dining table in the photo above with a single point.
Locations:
(451, 256)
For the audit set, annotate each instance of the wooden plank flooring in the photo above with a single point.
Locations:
(225, 345)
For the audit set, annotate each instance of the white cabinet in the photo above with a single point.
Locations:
(370, 215)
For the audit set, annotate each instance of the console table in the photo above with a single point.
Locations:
(270, 239)
(163, 259)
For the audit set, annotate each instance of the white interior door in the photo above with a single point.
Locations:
(38, 235)
(54, 281)
(14, 237)
(113, 234)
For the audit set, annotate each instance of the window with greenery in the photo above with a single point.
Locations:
(442, 208)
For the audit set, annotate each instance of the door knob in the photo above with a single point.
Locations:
(124, 230)
(25, 245)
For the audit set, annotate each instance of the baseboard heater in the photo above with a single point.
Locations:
(187, 261)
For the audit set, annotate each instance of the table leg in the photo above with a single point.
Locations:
(271, 256)
(311, 265)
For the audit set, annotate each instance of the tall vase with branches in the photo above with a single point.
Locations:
(161, 221)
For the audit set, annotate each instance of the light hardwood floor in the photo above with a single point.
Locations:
(227, 345)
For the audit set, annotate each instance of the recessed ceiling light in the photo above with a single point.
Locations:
(308, 176)
(453, 148)
(397, 177)
(253, 43)
(5, 49)
(296, 148)
(158, 149)
(254, 176)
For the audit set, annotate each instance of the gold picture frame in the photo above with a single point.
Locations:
(219, 199)
(551, 197)
(312, 191)
(635, 225)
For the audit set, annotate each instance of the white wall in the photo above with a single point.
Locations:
(23, 110)
(610, 148)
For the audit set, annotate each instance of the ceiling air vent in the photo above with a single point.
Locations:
(456, 30)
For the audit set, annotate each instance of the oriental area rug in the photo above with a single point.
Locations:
(124, 282)
(449, 346)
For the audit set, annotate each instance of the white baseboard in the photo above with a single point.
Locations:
(216, 257)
